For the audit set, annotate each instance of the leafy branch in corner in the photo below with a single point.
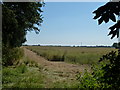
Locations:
(107, 12)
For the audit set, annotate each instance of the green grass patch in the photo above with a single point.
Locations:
(64, 84)
(24, 75)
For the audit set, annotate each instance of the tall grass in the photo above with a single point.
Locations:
(81, 55)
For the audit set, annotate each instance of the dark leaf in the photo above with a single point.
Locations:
(100, 20)
(117, 32)
(97, 16)
(95, 11)
(112, 27)
(114, 34)
(116, 11)
(111, 32)
(112, 17)
(106, 17)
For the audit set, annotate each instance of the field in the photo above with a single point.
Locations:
(59, 67)
(33, 71)
(77, 55)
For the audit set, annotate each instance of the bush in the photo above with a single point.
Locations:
(87, 80)
(105, 75)
(111, 70)
(10, 55)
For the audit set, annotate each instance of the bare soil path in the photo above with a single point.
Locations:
(56, 71)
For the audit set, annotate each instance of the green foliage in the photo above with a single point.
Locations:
(115, 45)
(9, 56)
(18, 18)
(105, 74)
(22, 76)
(92, 80)
(111, 69)
(107, 12)
(87, 80)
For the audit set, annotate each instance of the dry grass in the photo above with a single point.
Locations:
(81, 55)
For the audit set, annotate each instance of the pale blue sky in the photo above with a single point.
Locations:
(70, 23)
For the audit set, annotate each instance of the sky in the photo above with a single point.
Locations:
(71, 23)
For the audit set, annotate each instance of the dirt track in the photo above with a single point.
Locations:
(57, 70)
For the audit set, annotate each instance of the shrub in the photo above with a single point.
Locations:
(87, 80)
(111, 70)
(105, 75)
(10, 55)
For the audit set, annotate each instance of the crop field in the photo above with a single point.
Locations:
(77, 55)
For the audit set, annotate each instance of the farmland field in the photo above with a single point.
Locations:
(78, 55)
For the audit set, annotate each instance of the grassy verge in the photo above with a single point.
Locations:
(23, 75)
(29, 74)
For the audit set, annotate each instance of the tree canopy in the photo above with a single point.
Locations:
(17, 19)
(107, 12)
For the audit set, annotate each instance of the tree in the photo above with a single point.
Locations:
(17, 19)
(111, 69)
(106, 12)
(106, 74)
(115, 45)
